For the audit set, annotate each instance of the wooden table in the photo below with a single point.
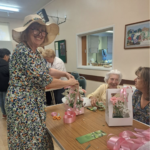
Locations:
(65, 134)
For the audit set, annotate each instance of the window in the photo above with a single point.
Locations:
(4, 32)
(5, 40)
(95, 49)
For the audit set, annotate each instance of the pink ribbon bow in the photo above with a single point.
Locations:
(69, 117)
(125, 142)
(123, 92)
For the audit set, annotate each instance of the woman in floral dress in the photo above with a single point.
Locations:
(26, 93)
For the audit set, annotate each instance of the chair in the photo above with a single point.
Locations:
(75, 74)
(82, 82)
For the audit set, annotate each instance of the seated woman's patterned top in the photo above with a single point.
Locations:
(142, 115)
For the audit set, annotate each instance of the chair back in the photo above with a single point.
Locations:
(82, 82)
(75, 74)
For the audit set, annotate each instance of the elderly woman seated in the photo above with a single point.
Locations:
(112, 79)
(140, 98)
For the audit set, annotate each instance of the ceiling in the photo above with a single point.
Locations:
(25, 7)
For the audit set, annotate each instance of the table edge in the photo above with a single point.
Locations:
(55, 140)
(141, 122)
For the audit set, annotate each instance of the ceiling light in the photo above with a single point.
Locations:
(9, 8)
(110, 31)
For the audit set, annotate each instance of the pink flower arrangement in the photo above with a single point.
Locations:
(119, 108)
(71, 94)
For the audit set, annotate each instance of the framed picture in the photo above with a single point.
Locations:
(60, 50)
(137, 35)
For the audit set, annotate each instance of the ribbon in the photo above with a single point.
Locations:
(123, 92)
(124, 141)
(76, 110)
(53, 114)
(79, 111)
(69, 117)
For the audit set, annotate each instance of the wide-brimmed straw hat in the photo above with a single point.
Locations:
(52, 29)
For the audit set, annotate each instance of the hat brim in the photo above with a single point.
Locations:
(52, 30)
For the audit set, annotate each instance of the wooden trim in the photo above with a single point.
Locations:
(138, 22)
(101, 79)
(83, 50)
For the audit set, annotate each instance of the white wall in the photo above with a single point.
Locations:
(13, 23)
(88, 15)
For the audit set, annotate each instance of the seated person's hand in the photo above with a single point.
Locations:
(68, 76)
(93, 101)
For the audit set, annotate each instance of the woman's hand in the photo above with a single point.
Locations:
(93, 101)
(68, 76)
(72, 81)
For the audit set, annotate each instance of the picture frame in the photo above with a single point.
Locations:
(60, 50)
(137, 35)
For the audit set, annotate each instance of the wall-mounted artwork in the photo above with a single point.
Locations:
(60, 50)
(137, 35)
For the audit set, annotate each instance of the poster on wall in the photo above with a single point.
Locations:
(137, 35)
(60, 50)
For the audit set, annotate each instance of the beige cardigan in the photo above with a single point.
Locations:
(100, 93)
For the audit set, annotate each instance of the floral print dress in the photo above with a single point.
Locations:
(25, 101)
(142, 115)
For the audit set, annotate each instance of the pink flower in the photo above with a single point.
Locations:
(84, 91)
(72, 91)
(113, 100)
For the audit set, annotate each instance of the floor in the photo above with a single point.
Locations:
(3, 135)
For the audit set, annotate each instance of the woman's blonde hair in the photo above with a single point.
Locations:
(40, 50)
(48, 53)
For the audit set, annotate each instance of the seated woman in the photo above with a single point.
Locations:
(113, 79)
(140, 98)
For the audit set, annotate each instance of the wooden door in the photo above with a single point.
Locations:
(84, 51)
